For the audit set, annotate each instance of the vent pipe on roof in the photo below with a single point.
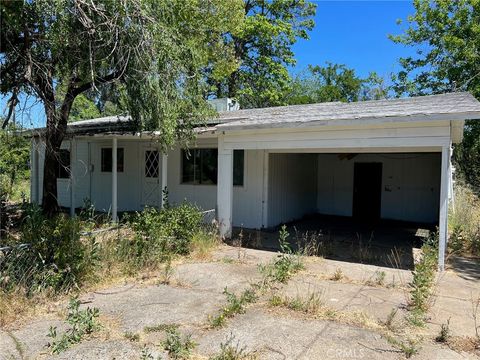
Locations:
(225, 104)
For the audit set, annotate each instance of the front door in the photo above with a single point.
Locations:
(151, 187)
(367, 191)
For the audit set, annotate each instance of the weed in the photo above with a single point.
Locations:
(337, 275)
(178, 346)
(285, 265)
(422, 285)
(231, 351)
(476, 316)
(408, 347)
(445, 333)
(160, 327)
(390, 319)
(235, 305)
(146, 354)
(378, 279)
(310, 304)
(132, 336)
(275, 300)
(82, 322)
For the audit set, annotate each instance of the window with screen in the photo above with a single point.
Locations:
(200, 166)
(106, 160)
(152, 163)
(63, 168)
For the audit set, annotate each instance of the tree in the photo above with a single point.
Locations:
(334, 82)
(263, 50)
(447, 37)
(154, 49)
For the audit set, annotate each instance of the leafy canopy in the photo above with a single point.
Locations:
(334, 82)
(447, 36)
(263, 50)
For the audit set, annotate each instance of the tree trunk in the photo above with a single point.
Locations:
(49, 201)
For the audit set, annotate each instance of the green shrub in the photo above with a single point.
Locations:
(52, 255)
(159, 234)
(235, 305)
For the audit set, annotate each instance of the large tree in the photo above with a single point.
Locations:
(263, 50)
(334, 82)
(446, 35)
(155, 50)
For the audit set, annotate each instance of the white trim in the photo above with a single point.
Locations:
(73, 156)
(225, 189)
(164, 177)
(266, 157)
(114, 180)
(443, 216)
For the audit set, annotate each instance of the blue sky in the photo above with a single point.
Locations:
(354, 33)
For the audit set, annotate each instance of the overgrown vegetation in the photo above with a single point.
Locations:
(231, 350)
(82, 322)
(464, 222)
(423, 281)
(54, 256)
(285, 265)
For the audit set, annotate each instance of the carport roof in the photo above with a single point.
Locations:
(452, 106)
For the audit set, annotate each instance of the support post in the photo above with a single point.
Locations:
(164, 177)
(114, 180)
(225, 189)
(443, 216)
(266, 157)
(73, 156)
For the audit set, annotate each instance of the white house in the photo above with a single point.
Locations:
(258, 168)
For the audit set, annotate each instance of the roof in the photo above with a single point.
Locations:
(452, 106)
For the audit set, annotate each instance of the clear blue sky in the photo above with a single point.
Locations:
(354, 33)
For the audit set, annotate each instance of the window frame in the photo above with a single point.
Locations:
(197, 177)
(120, 164)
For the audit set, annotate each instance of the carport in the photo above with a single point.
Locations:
(376, 159)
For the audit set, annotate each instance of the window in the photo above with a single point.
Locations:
(107, 159)
(238, 165)
(63, 168)
(200, 166)
(151, 163)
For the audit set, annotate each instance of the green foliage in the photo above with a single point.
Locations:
(161, 327)
(423, 281)
(263, 50)
(82, 323)
(178, 347)
(464, 222)
(235, 305)
(447, 36)
(52, 257)
(445, 333)
(285, 265)
(14, 156)
(334, 82)
(159, 234)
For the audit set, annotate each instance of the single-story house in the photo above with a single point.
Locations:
(258, 168)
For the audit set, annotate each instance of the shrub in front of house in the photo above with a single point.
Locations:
(48, 254)
(159, 234)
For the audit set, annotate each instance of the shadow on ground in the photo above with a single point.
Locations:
(385, 243)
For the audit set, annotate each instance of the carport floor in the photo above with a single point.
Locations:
(385, 243)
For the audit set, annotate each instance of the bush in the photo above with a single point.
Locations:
(159, 234)
(51, 255)
(464, 222)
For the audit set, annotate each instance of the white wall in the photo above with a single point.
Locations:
(292, 182)
(410, 185)
(247, 199)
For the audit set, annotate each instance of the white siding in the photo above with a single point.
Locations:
(247, 199)
(410, 185)
(292, 187)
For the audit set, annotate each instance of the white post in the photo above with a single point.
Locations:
(443, 216)
(164, 176)
(266, 158)
(225, 189)
(73, 156)
(114, 180)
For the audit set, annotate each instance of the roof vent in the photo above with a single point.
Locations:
(225, 104)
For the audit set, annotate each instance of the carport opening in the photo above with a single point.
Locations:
(374, 208)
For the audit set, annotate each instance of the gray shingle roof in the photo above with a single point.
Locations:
(454, 106)
(457, 105)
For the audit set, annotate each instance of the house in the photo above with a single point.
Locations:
(259, 168)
